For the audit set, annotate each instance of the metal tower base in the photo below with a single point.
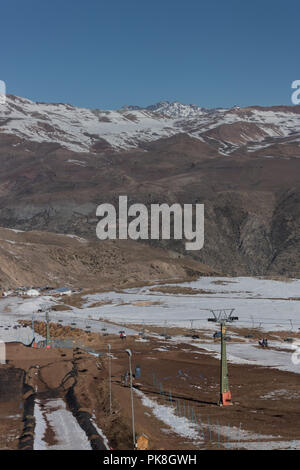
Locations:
(225, 399)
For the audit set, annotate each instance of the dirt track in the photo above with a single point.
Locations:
(190, 375)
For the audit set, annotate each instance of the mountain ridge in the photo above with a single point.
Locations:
(58, 163)
(95, 131)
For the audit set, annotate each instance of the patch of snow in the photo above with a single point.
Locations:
(68, 433)
(179, 425)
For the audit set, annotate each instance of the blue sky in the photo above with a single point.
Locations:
(106, 54)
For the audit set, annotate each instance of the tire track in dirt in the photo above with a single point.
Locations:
(36, 378)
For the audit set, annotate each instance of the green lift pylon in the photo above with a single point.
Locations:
(225, 395)
(222, 317)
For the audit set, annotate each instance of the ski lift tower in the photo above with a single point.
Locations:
(222, 317)
(46, 308)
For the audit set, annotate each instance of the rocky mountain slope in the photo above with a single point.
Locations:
(42, 258)
(58, 163)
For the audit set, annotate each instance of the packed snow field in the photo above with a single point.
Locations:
(68, 433)
(267, 305)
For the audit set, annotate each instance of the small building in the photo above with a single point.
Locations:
(7, 293)
(32, 293)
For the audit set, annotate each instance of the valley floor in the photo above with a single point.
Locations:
(177, 391)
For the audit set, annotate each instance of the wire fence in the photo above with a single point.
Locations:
(210, 432)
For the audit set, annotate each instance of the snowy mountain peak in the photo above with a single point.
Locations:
(88, 130)
(174, 109)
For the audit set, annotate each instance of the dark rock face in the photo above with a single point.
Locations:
(252, 201)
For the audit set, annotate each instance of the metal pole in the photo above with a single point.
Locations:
(32, 327)
(109, 373)
(131, 394)
(222, 317)
(47, 330)
(225, 395)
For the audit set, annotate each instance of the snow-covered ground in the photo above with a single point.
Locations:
(13, 309)
(67, 432)
(178, 424)
(250, 353)
(258, 303)
(100, 432)
(198, 431)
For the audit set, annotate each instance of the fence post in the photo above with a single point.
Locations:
(203, 433)
(228, 435)
(219, 437)
(209, 430)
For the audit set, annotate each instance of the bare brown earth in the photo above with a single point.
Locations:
(251, 202)
(179, 290)
(41, 258)
(11, 406)
(189, 374)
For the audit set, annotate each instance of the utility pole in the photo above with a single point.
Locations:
(222, 317)
(47, 331)
(109, 377)
(131, 395)
(225, 395)
(165, 329)
(165, 334)
(32, 327)
(45, 308)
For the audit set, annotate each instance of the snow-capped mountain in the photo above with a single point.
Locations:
(59, 162)
(87, 130)
(177, 110)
